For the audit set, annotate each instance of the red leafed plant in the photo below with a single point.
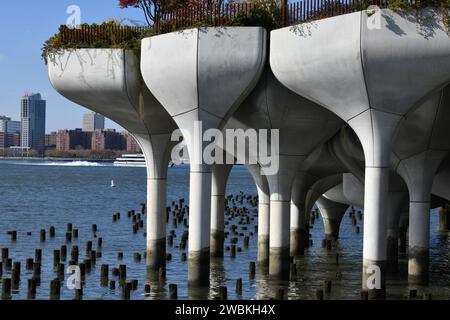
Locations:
(154, 8)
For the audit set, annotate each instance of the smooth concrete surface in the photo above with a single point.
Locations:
(320, 163)
(108, 81)
(332, 214)
(303, 126)
(263, 214)
(374, 78)
(202, 75)
(220, 174)
(420, 146)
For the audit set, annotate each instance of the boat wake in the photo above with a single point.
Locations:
(63, 164)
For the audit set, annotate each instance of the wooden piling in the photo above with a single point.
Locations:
(6, 289)
(29, 264)
(239, 286)
(252, 269)
(38, 255)
(32, 284)
(327, 286)
(56, 257)
(79, 294)
(126, 291)
(104, 275)
(52, 232)
(223, 293)
(122, 272)
(42, 235)
(63, 252)
(233, 251)
(55, 289)
(319, 294)
(173, 292)
(5, 253)
(74, 253)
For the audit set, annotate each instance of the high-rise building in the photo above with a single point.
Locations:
(73, 139)
(9, 126)
(93, 121)
(33, 122)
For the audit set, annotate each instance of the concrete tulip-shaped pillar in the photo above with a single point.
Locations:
(299, 231)
(201, 76)
(396, 200)
(441, 181)
(320, 163)
(302, 126)
(280, 200)
(420, 147)
(403, 230)
(319, 188)
(332, 213)
(263, 214)
(374, 76)
(418, 173)
(220, 174)
(108, 81)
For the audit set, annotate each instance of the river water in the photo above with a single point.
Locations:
(36, 195)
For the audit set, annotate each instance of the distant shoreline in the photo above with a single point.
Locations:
(55, 159)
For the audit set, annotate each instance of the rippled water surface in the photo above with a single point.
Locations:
(37, 195)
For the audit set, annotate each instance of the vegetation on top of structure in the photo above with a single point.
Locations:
(163, 16)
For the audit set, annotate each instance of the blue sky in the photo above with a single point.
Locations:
(24, 27)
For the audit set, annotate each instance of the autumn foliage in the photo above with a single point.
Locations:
(153, 9)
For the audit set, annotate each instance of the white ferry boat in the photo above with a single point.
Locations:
(130, 160)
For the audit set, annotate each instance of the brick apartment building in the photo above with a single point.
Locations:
(73, 139)
(108, 140)
(9, 140)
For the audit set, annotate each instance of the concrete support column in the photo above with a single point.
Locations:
(156, 222)
(220, 174)
(403, 232)
(419, 241)
(375, 221)
(332, 214)
(299, 233)
(375, 130)
(263, 232)
(444, 219)
(418, 172)
(156, 149)
(263, 214)
(199, 225)
(395, 201)
(280, 186)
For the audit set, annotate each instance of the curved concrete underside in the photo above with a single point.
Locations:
(201, 76)
(302, 126)
(389, 87)
(373, 78)
(108, 81)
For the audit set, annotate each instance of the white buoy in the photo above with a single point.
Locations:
(112, 184)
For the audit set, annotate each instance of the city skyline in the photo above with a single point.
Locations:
(20, 55)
